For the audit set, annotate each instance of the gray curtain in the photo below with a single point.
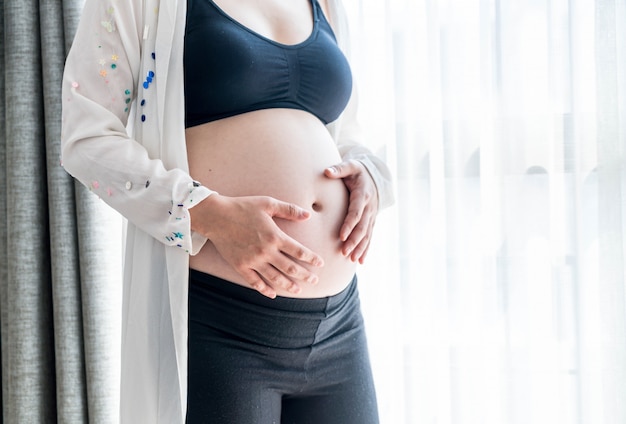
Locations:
(57, 284)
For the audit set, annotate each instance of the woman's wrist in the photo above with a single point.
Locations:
(199, 213)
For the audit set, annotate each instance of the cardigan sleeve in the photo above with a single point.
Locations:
(101, 81)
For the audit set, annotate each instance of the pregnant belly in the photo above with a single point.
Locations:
(280, 153)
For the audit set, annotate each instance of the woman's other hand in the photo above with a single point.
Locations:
(356, 231)
(244, 233)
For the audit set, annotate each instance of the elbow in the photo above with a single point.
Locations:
(75, 145)
(72, 159)
(70, 141)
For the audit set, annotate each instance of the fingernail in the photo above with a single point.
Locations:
(332, 169)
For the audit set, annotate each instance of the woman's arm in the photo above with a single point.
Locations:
(368, 180)
(102, 73)
(366, 176)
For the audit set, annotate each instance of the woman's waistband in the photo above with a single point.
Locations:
(236, 291)
(280, 322)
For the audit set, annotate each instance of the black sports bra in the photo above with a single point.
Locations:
(230, 69)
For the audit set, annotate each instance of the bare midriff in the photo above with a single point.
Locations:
(280, 153)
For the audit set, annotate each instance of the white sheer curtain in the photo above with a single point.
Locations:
(495, 290)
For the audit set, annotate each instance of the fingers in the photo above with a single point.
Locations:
(284, 210)
(258, 284)
(244, 233)
(273, 278)
(353, 216)
(343, 169)
(360, 251)
(356, 230)
(279, 272)
(267, 279)
(279, 264)
(288, 245)
(275, 269)
(296, 251)
(359, 239)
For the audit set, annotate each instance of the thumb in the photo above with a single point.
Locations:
(288, 211)
(339, 170)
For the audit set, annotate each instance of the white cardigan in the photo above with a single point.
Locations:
(123, 137)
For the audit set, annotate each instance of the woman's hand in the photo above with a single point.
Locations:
(244, 233)
(356, 231)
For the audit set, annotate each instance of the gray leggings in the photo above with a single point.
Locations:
(254, 360)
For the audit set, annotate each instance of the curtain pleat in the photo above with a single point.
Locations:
(3, 214)
(60, 255)
(71, 392)
(28, 370)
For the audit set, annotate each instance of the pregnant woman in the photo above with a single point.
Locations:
(223, 130)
